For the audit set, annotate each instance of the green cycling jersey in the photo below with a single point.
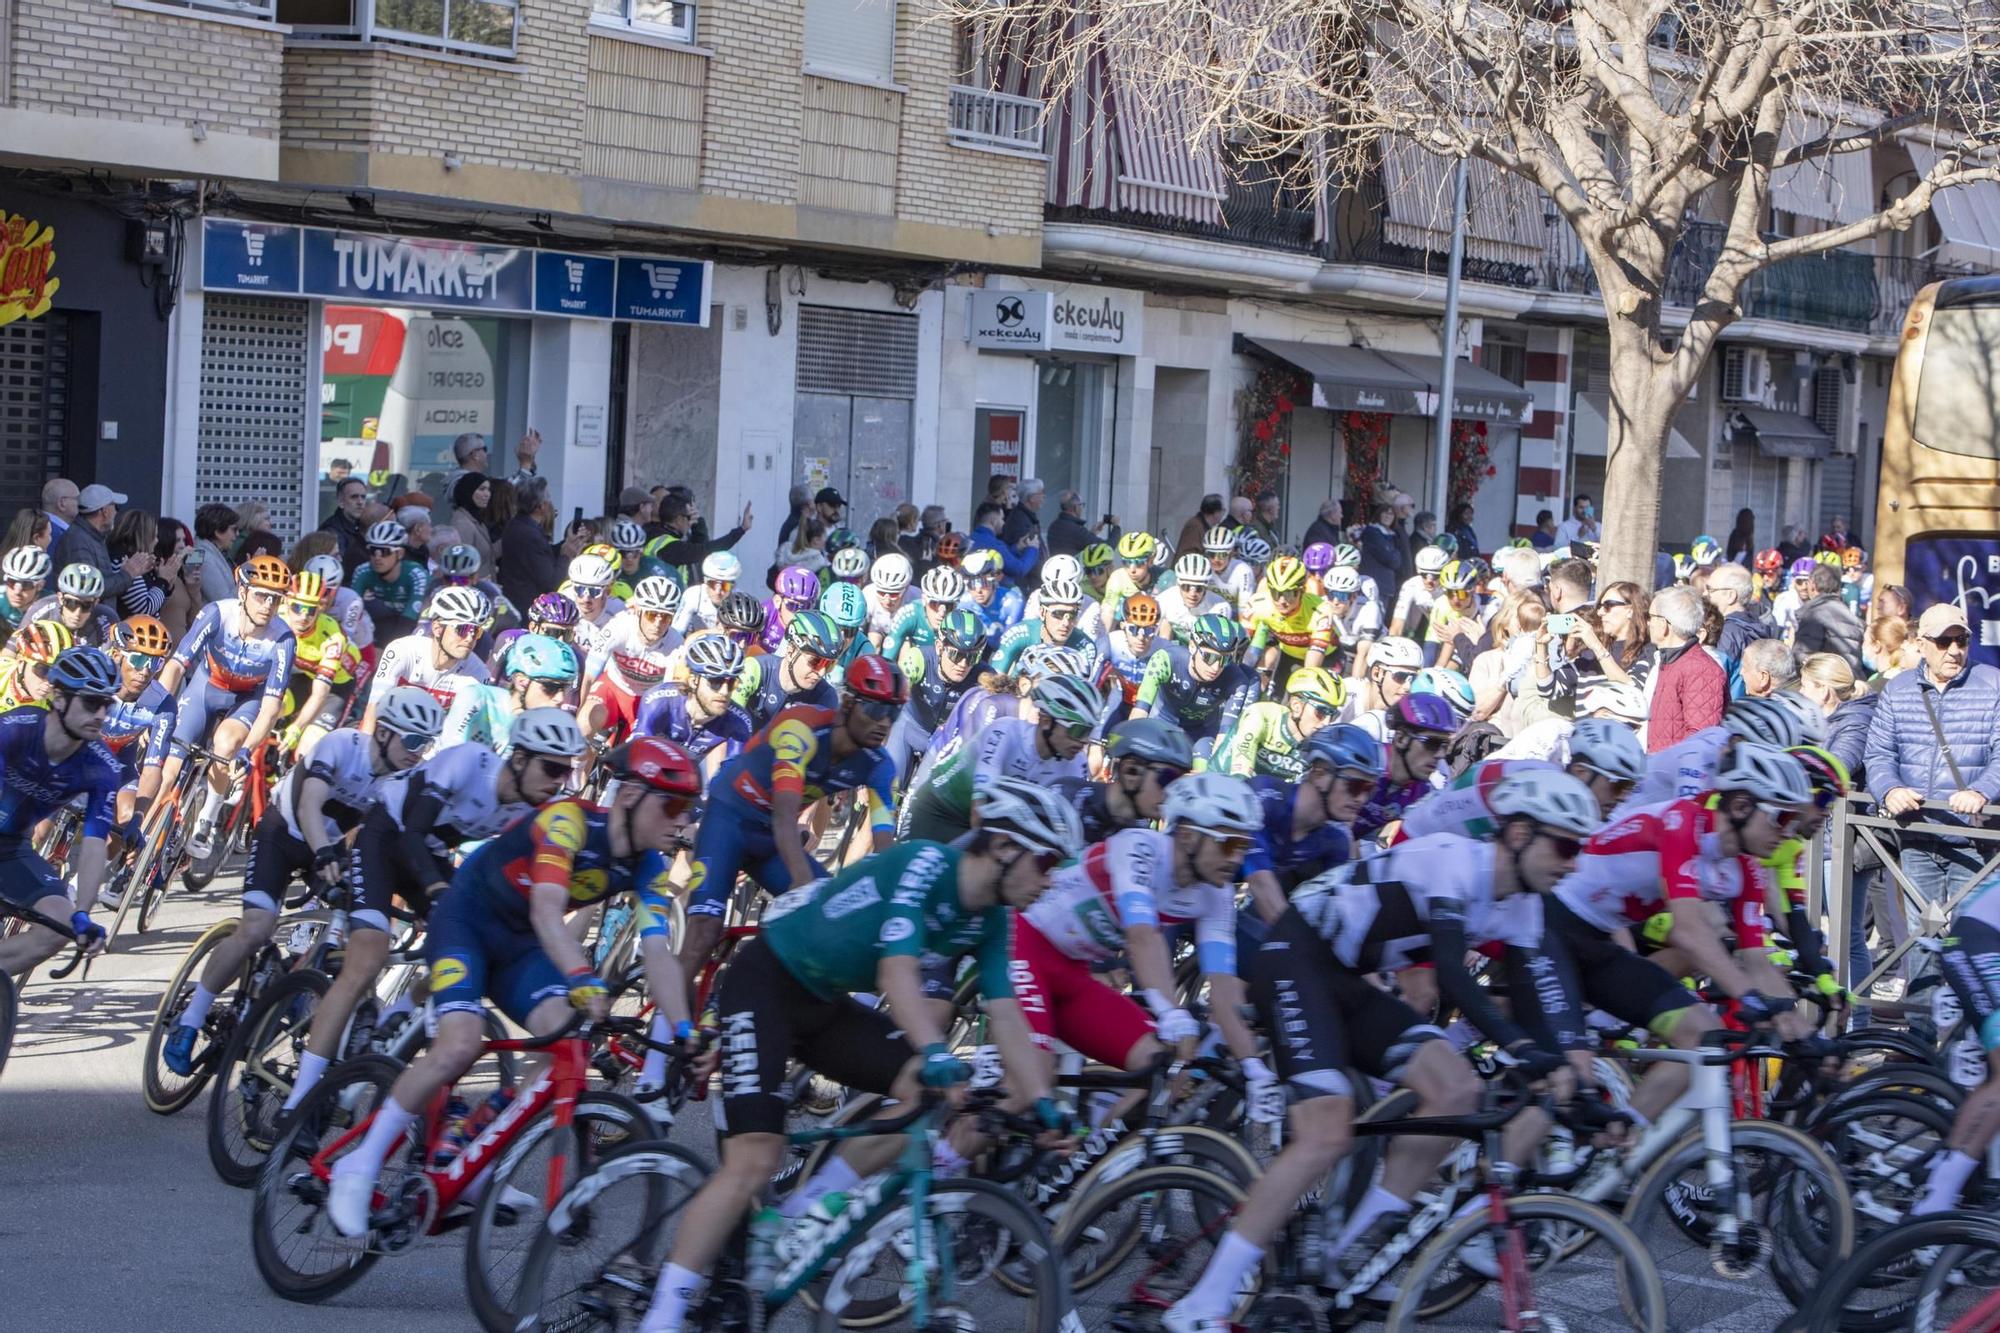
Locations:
(1263, 744)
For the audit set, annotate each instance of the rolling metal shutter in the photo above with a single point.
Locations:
(255, 378)
(866, 353)
(34, 407)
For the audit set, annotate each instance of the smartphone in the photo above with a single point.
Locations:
(1562, 623)
(576, 519)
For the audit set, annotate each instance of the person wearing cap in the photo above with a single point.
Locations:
(831, 505)
(84, 543)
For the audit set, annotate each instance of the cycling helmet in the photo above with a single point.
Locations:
(845, 604)
(1825, 773)
(142, 634)
(1607, 746)
(308, 588)
(715, 657)
(1068, 699)
(963, 630)
(1425, 713)
(1318, 557)
(849, 563)
(1039, 661)
(814, 632)
(982, 563)
(550, 731)
(1342, 582)
(1192, 570)
(1142, 609)
(1431, 560)
(1683, 567)
(265, 572)
(1831, 558)
(1766, 721)
(1346, 556)
(1061, 591)
(1811, 719)
(1153, 739)
(460, 560)
(1319, 685)
(1095, 556)
(1213, 803)
(1853, 558)
(1461, 575)
(328, 568)
(1136, 546)
(26, 564)
(1163, 553)
(1030, 814)
(891, 573)
(943, 583)
(1254, 549)
(1623, 701)
(1398, 653)
(626, 535)
(1217, 632)
(388, 532)
(1704, 551)
(1219, 540)
(1765, 771)
(552, 608)
(658, 593)
(950, 547)
(1552, 798)
(1286, 574)
(42, 641)
(1803, 567)
(85, 670)
(409, 710)
(658, 763)
(604, 551)
(841, 539)
(538, 657)
(460, 606)
(590, 570)
(798, 584)
(1061, 567)
(1345, 748)
(1770, 561)
(1445, 542)
(722, 567)
(740, 612)
(1448, 685)
(873, 676)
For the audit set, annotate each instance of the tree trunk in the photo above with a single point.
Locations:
(1642, 410)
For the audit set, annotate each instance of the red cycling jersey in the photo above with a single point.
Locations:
(1656, 855)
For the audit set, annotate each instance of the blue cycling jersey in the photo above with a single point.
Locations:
(33, 786)
(239, 657)
(150, 717)
(663, 712)
(999, 615)
(1275, 850)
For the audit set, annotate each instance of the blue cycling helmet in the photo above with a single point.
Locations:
(844, 604)
(539, 657)
(1423, 713)
(1449, 685)
(84, 670)
(1346, 748)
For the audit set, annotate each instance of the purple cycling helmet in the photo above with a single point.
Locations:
(1803, 567)
(1318, 557)
(1424, 713)
(552, 608)
(798, 584)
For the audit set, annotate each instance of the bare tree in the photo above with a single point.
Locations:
(1634, 117)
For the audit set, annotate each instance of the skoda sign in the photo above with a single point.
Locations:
(1010, 321)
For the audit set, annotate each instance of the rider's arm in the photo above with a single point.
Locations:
(664, 979)
(1447, 925)
(792, 744)
(901, 980)
(1543, 990)
(1158, 668)
(1695, 935)
(421, 807)
(89, 860)
(879, 792)
(313, 791)
(192, 644)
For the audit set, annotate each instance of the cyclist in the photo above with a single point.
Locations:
(798, 590)
(1147, 755)
(78, 602)
(1000, 607)
(439, 660)
(22, 574)
(323, 665)
(1039, 749)
(942, 589)
(30, 653)
(699, 716)
(994, 698)
(1548, 738)
(304, 832)
(1096, 559)
(741, 618)
(847, 564)
(500, 931)
(552, 615)
(1783, 720)
(797, 678)
(1352, 621)
(1267, 737)
(247, 650)
(1201, 687)
(631, 658)
(540, 674)
(1603, 755)
(888, 579)
(1232, 578)
(752, 822)
(1056, 567)
(1454, 627)
(1388, 667)
(1419, 591)
(1061, 606)
(142, 717)
(789, 994)
(940, 672)
(1126, 652)
(48, 757)
(1307, 824)
(628, 543)
(1286, 630)
(1193, 596)
(392, 588)
(1310, 980)
(1135, 572)
(701, 604)
(1971, 965)
(1420, 725)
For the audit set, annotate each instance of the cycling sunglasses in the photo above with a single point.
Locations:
(1566, 847)
(724, 683)
(1400, 675)
(1059, 612)
(1234, 845)
(818, 661)
(1322, 710)
(94, 703)
(1044, 861)
(384, 550)
(1077, 731)
(25, 585)
(145, 661)
(878, 710)
(70, 603)
(581, 592)
(261, 596)
(720, 587)
(464, 629)
(1166, 774)
(302, 607)
(1209, 657)
(1356, 784)
(550, 767)
(1432, 743)
(958, 654)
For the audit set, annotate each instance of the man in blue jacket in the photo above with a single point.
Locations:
(1015, 561)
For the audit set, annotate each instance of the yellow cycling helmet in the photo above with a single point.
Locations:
(1286, 574)
(42, 641)
(308, 588)
(1136, 546)
(1095, 556)
(1322, 687)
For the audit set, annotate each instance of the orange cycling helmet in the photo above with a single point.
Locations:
(1142, 609)
(264, 571)
(43, 641)
(1853, 557)
(144, 635)
(950, 547)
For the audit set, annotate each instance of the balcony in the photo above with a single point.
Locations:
(1265, 214)
(1360, 237)
(996, 120)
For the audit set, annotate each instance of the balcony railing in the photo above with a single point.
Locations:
(1000, 120)
(1261, 213)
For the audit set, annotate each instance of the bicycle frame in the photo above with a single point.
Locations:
(1708, 1102)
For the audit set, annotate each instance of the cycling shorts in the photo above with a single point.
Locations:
(1063, 1002)
(930, 816)
(769, 1019)
(331, 709)
(474, 955)
(620, 705)
(25, 878)
(1613, 978)
(203, 704)
(276, 860)
(375, 874)
(1971, 962)
(1324, 1017)
(735, 839)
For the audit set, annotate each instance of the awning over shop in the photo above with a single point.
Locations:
(1593, 430)
(1968, 215)
(1477, 394)
(1360, 379)
(1780, 434)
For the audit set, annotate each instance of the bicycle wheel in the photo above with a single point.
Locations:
(1548, 1227)
(256, 1076)
(541, 1162)
(298, 1252)
(593, 1261)
(1880, 1145)
(1925, 1274)
(9, 1007)
(152, 890)
(168, 1092)
(974, 1230)
(1140, 1242)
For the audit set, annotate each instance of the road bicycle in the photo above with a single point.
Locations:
(1936, 1274)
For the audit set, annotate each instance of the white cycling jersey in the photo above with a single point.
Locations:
(1413, 603)
(1461, 808)
(353, 617)
(626, 660)
(464, 776)
(1180, 616)
(882, 611)
(1547, 739)
(344, 760)
(1679, 771)
(412, 660)
(1128, 880)
(1377, 913)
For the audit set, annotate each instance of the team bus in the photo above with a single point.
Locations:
(1937, 519)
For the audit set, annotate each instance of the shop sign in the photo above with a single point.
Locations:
(1003, 432)
(1088, 320)
(1010, 321)
(580, 286)
(27, 266)
(407, 270)
(249, 257)
(1965, 572)
(662, 291)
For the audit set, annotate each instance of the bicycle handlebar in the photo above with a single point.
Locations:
(62, 928)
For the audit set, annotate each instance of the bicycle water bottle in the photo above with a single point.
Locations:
(806, 1233)
(761, 1267)
(489, 1111)
(454, 1138)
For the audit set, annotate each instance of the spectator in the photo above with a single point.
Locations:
(531, 564)
(1000, 490)
(1581, 525)
(350, 506)
(1793, 543)
(800, 500)
(1325, 527)
(137, 530)
(1015, 562)
(1543, 538)
(526, 450)
(909, 531)
(1826, 623)
(96, 512)
(1264, 521)
(684, 551)
(1241, 510)
(1729, 594)
(1023, 525)
(1742, 546)
(470, 451)
(31, 527)
(1069, 534)
(808, 547)
(1622, 613)
(1461, 529)
(1836, 536)
(472, 518)
(179, 574)
(1423, 531)
(215, 533)
(1887, 651)
(1768, 666)
(338, 470)
(1402, 509)
(1688, 689)
(921, 545)
(265, 542)
(637, 503)
(1569, 585)
(1207, 515)
(417, 523)
(883, 537)
(1933, 739)
(251, 516)
(1518, 570)
(59, 500)
(1382, 550)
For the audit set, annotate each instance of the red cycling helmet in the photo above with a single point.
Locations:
(1770, 561)
(872, 676)
(659, 764)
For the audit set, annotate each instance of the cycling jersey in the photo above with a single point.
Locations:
(239, 658)
(911, 625)
(1018, 639)
(352, 616)
(10, 617)
(150, 717)
(1120, 663)
(1679, 771)
(761, 693)
(1122, 585)
(1462, 807)
(322, 652)
(698, 611)
(1179, 617)
(1278, 852)
(1547, 739)
(664, 711)
(1089, 616)
(1413, 602)
(1237, 582)
(565, 844)
(1362, 624)
(1392, 800)
(1202, 708)
(462, 778)
(393, 603)
(776, 616)
(794, 753)
(345, 761)
(479, 713)
(932, 694)
(976, 710)
(1126, 881)
(625, 660)
(94, 630)
(1004, 749)
(1296, 633)
(1093, 808)
(883, 608)
(33, 787)
(999, 615)
(1662, 854)
(412, 660)
(1263, 743)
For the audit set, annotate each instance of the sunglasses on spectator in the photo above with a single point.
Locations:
(70, 603)
(878, 710)
(1610, 602)
(145, 661)
(1565, 847)
(1945, 641)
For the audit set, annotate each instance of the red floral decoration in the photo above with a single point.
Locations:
(1470, 466)
(1264, 414)
(1367, 441)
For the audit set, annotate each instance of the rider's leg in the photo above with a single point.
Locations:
(21, 953)
(229, 734)
(367, 951)
(1445, 1085)
(227, 958)
(1972, 1133)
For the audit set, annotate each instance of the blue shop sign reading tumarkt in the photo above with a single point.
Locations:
(366, 269)
(580, 286)
(662, 291)
(249, 257)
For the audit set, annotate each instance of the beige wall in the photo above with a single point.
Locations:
(642, 121)
(940, 182)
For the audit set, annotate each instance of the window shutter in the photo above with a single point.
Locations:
(855, 37)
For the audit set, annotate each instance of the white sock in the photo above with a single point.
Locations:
(210, 808)
(835, 1175)
(1377, 1202)
(310, 1068)
(385, 1131)
(655, 1072)
(675, 1292)
(1221, 1283)
(198, 1006)
(1949, 1172)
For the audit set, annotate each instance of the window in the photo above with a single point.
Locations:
(1829, 388)
(855, 38)
(249, 9)
(665, 17)
(469, 27)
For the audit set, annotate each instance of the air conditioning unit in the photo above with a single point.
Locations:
(1746, 375)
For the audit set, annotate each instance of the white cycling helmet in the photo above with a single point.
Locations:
(1765, 771)
(626, 534)
(944, 584)
(1341, 581)
(388, 533)
(1035, 816)
(1040, 660)
(1215, 803)
(715, 656)
(1061, 592)
(1432, 560)
(1068, 699)
(460, 606)
(81, 580)
(328, 568)
(549, 731)
(1606, 745)
(411, 712)
(657, 593)
(1163, 553)
(722, 566)
(1219, 540)
(1811, 720)
(1061, 567)
(590, 571)
(1194, 570)
(1347, 556)
(1767, 721)
(26, 564)
(849, 562)
(1618, 698)
(1255, 550)
(891, 572)
(1397, 652)
(1550, 797)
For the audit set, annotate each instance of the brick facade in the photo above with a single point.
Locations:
(756, 99)
(942, 183)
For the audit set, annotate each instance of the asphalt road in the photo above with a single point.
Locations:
(111, 1217)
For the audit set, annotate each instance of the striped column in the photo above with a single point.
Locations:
(1545, 439)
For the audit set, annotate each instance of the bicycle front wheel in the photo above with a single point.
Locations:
(1565, 1247)
(1925, 1275)
(166, 1091)
(1140, 1243)
(257, 1073)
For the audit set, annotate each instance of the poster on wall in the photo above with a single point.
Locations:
(27, 268)
(1003, 432)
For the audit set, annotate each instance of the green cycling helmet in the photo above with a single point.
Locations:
(1217, 632)
(963, 630)
(813, 632)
